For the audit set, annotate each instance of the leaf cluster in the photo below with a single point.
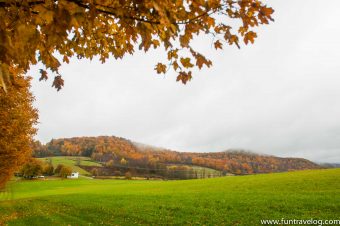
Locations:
(33, 31)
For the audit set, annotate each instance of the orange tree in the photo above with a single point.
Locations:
(51, 31)
(17, 120)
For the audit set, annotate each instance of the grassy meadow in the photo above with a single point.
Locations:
(71, 162)
(234, 200)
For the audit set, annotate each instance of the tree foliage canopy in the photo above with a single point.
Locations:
(31, 169)
(17, 118)
(51, 31)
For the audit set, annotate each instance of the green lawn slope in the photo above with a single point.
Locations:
(71, 161)
(234, 200)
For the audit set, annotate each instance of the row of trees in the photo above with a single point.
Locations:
(34, 168)
(163, 172)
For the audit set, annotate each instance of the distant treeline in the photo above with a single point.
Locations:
(115, 151)
(160, 171)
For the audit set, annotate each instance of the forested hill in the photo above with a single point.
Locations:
(112, 150)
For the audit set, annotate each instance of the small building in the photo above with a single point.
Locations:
(74, 175)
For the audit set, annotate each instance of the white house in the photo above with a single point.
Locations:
(74, 175)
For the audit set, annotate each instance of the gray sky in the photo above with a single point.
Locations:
(279, 96)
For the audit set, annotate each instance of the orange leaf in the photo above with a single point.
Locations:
(43, 75)
(250, 36)
(218, 44)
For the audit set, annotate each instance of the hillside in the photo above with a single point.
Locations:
(88, 167)
(74, 162)
(239, 200)
(119, 152)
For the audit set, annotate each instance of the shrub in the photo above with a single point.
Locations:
(117, 173)
(94, 172)
(65, 171)
(128, 176)
(31, 169)
(48, 170)
(58, 169)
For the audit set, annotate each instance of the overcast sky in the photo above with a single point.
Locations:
(280, 96)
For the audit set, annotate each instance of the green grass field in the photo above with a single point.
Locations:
(236, 200)
(71, 162)
(201, 172)
(206, 172)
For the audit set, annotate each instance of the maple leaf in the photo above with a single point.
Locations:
(184, 77)
(218, 44)
(160, 68)
(250, 36)
(173, 54)
(186, 62)
(267, 11)
(58, 82)
(175, 65)
(43, 75)
(65, 59)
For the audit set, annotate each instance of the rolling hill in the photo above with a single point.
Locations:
(119, 152)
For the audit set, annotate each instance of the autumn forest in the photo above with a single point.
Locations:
(122, 154)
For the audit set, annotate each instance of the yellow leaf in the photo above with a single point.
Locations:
(186, 62)
(160, 68)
